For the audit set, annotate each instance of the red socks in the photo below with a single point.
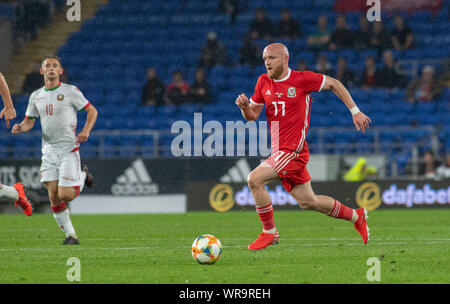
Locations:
(341, 211)
(265, 214)
(59, 208)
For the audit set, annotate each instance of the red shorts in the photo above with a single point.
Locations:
(291, 167)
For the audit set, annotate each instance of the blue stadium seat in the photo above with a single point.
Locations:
(365, 53)
(308, 57)
(349, 55)
(167, 110)
(330, 55)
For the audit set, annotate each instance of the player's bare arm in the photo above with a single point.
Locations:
(249, 111)
(90, 121)
(8, 112)
(26, 125)
(360, 120)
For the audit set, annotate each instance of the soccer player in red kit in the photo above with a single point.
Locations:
(286, 94)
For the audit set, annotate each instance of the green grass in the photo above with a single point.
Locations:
(413, 246)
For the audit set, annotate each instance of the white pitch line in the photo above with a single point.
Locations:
(234, 239)
(236, 246)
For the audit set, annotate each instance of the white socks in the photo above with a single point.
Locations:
(64, 222)
(9, 192)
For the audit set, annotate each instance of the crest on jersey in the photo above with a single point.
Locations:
(291, 92)
(60, 97)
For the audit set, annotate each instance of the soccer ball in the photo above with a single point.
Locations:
(206, 249)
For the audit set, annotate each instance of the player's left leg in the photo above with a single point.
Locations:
(307, 199)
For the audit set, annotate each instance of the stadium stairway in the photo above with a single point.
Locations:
(49, 40)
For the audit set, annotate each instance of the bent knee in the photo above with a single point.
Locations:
(254, 182)
(67, 196)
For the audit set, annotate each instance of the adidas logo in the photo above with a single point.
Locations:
(135, 181)
(238, 173)
(268, 92)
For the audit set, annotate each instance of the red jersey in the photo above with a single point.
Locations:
(288, 107)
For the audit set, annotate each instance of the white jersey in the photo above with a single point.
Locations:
(57, 109)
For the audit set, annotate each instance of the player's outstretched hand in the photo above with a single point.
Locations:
(9, 114)
(82, 137)
(242, 101)
(361, 121)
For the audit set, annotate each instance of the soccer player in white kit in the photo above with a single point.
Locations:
(57, 105)
(17, 192)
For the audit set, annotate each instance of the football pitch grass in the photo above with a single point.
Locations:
(413, 246)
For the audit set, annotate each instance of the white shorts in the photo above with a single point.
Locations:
(62, 167)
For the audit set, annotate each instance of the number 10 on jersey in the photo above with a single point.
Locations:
(275, 104)
(49, 109)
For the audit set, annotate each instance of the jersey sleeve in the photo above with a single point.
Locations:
(312, 82)
(32, 111)
(257, 97)
(78, 100)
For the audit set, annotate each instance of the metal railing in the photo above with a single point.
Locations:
(411, 67)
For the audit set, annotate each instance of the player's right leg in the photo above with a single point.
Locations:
(257, 179)
(306, 198)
